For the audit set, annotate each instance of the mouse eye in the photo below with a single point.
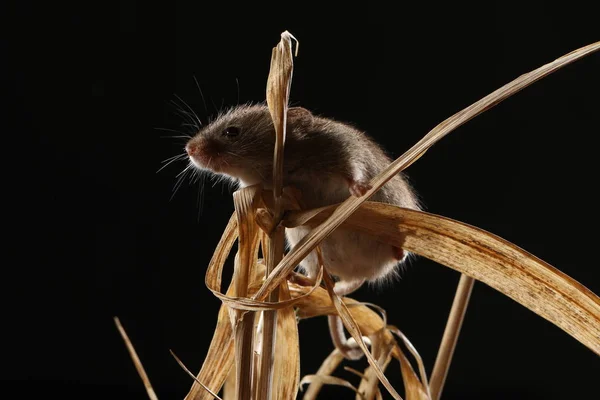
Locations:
(231, 131)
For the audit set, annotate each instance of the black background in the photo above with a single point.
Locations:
(92, 232)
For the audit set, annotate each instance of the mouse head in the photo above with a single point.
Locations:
(239, 144)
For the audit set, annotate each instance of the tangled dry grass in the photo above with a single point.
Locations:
(254, 353)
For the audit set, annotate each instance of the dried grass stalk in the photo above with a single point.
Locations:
(455, 320)
(229, 388)
(287, 365)
(182, 365)
(278, 92)
(136, 360)
(243, 322)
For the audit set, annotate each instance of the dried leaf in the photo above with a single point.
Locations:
(328, 380)
(278, 93)
(414, 390)
(354, 330)
(355, 372)
(381, 347)
(214, 271)
(329, 365)
(423, 383)
(486, 257)
(219, 359)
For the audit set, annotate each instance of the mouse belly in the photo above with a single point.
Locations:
(350, 256)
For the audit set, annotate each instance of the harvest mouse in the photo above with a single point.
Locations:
(328, 161)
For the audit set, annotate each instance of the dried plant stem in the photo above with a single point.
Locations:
(455, 320)
(244, 351)
(278, 91)
(136, 361)
(244, 326)
(276, 242)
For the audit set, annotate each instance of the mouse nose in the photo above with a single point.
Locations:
(191, 149)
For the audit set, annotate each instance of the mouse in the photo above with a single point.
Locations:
(326, 160)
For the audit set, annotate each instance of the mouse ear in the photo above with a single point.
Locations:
(299, 116)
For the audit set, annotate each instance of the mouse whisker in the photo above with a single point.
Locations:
(180, 179)
(186, 169)
(170, 160)
(185, 114)
(191, 110)
(201, 95)
(174, 157)
(174, 131)
(193, 126)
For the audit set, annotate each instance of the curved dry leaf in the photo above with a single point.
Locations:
(219, 359)
(355, 372)
(354, 330)
(382, 347)
(329, 365)
(415, 354)
(214, 273)
(414, 390)
(328, 380)
(278, 91)
(488, 258)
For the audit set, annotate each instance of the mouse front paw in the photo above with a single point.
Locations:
(359, 188)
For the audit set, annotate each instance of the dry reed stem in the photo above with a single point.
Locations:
(229, 387)
(243, 322)
(286, 377)
(136, 360)
(278, 92)
(455, 320)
